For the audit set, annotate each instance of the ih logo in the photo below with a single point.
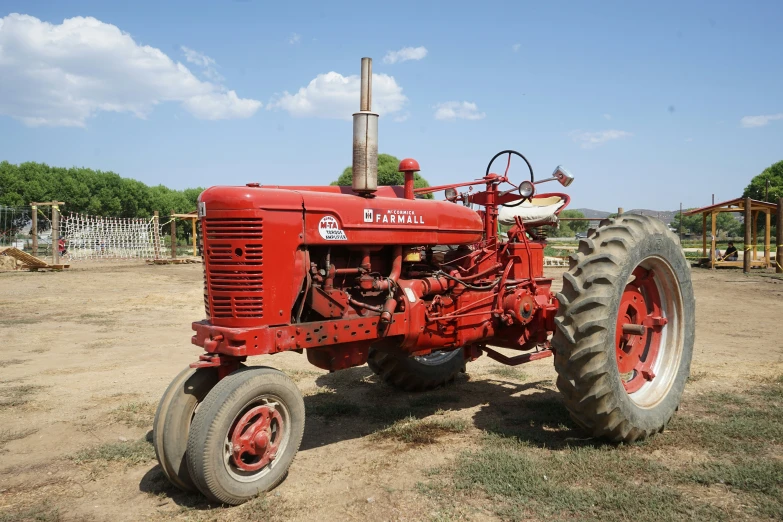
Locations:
(330, 229)
(368, 215)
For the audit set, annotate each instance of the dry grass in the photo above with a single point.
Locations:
(131, 452)
(9, 435)
(509, 372)
(36, 513)
(731, 439)
(421, 431)
(10, 362)
(19, 395)
(135, 414)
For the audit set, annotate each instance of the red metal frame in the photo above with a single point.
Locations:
(270, 265)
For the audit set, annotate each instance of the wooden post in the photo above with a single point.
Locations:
(55, 234)
(195, 247)
(754, 217)
(156, 233)
(767, 231)
(748, 222)
(173, 236)
(703, 233)
(34, 230)
(713, 256)
(779, 253)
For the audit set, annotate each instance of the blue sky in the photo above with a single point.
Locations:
(648, 105)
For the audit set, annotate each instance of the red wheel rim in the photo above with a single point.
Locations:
(256, 437)
(638, 336)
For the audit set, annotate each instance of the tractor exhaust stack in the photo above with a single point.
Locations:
(365, 138)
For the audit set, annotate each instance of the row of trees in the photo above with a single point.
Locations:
(90, 191)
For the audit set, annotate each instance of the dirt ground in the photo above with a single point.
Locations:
(86, 354)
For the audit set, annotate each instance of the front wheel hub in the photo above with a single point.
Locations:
(256, 438)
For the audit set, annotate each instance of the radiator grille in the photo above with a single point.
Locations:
(234, 267)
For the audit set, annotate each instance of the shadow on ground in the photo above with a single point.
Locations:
(357, 404)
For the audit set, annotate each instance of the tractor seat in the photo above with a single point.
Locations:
(538, 211)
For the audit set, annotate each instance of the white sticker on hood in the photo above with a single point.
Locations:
(330, 229)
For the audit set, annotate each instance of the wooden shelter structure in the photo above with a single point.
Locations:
(193, 217)
(751, 209)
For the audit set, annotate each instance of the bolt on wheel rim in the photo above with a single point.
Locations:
(648, 332)
(258, 436)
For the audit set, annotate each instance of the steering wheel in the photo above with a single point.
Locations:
(529, 168)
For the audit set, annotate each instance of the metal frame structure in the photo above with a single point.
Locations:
(751, 209)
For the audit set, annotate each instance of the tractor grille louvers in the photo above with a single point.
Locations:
(234, 267)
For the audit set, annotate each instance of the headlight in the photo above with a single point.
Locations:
(451, 194)
(526, 189)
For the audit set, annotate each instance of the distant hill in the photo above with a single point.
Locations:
(664, 215)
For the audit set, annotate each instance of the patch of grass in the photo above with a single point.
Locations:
(421, 431)
(588, 483)
(733, 436)
(10, 362)
(36, 513)
(132, 452)
(97, 319)
(17, 321)
(137, 414)
(19, 395)
(9, 435)
(756, 475)
(508, 372)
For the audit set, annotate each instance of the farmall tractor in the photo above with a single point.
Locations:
(414, 288)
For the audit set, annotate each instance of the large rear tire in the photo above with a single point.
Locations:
(415, 374)
(245, 435)
(625, 329)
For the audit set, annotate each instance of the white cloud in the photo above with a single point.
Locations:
(759, 121)
(688, 140)
(591, 140)
(294, 38)
(405, 54)
(61, 75)
(607, 116)
(197, 58)
(516, 47)
(335, 96)
(453, 110)
(208, 65)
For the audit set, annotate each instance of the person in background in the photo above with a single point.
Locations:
(731, 253)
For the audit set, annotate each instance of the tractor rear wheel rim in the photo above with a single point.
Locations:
(258, 434)
(648, 333)
(436, 357)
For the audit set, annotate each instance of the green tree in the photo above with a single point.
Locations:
(757, 186)
(89, 191)
(387, 174)
(569, 228)
(725, 224)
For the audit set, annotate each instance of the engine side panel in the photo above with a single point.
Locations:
(338, 218)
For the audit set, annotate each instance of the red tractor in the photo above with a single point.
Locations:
(414, 288)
